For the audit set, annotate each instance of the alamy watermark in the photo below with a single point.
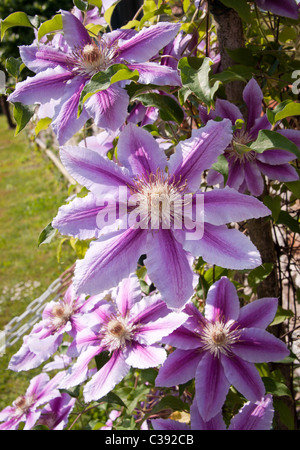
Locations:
(296, 84)
(2, 82)
(2, 343)
(152, 212)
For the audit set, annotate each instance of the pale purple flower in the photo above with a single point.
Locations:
(252, 416)
(220, 348)
(59, 317)
(63, 71)
(141, 171)
(128, 327)
(56, 413)
(26, 408)
(285, 8)
(113, 415)
(246, 168)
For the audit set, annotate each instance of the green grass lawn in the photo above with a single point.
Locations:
(31, 190)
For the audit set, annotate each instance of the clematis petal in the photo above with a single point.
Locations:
(169, 424)
(222, 302)
(258, 314)
(31, 419)
(153, 73)
(129, 292)
(227, 110)
(139, 151)
(257, 345)
(261, 123)
(78, 372)
(275, 157)
(244, 377)
(65, 122)
(108, 108)
(253, 178)
(199, 152)
(284, 172)
(169, 268)
(144, 356)
(148, 309)
(253, 98)
(75, 34)
(227, 205)
(289, 8)
(147, 43)
(197, 423)
(106, 378)
(154, 331)
(46, 85)
(225, 247)
(97, 173)
(235, 174)
(254, 416)
(108, 260)
(211, 386)
(79, 218)
(42, 57)
(180, 367)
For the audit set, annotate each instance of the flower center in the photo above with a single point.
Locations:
(93, 58)
(218, 337)
(117, 333)
(238, 149)
(60, 315)
(158, 199)
(23, 404)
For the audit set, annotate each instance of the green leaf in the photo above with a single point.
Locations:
(111, 397)
(46, 235)
(74, 392)
(170, 402)
(22, 115)
(274, 204)
(42, 124)
(268, 140)
(50, 26)
(294, 187)
(221, 166)
(276, 387)
(241, 7)
(282, 315)
(284, 412)
(227, 76)
(109, 12)
(102, 80)
(169, 109)
(14, 66)
(286, 219)
(288, 108)
(102, 359)
(242, 56)
(82, 5)
(16, 19)
(259, 274)
(196, 80)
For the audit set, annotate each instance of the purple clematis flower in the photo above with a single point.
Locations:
(245, 168)
(169, 249)
(59, 317)
(26, 408)
(63, 71)
(128, 328)
(286, 8)
(56, 413)
(252, 416)
(220, 348)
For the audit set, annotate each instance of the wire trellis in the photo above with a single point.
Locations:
(20, 325)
